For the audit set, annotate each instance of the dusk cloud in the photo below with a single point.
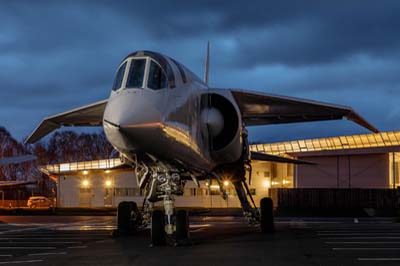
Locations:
(58, 55)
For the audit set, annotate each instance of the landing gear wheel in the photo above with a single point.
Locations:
(157, 228)
(267, 216)
(136, 217)
(124, 213)
(182, 227)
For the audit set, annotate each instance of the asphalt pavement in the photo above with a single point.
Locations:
(76, 240)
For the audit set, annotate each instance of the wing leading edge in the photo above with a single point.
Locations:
(89, 115)
(263, 109)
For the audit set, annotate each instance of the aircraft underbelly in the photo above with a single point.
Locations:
(169, 143)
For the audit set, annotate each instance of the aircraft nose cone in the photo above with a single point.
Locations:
(129, 120)
(131, 109)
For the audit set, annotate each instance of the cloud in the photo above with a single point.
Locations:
(58, 55)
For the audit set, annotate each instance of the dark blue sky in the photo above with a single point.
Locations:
(58, 55)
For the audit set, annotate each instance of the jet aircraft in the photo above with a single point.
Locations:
(171, 127)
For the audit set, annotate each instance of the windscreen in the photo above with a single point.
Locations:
(119, 77)
(157, 79)
(136, 74)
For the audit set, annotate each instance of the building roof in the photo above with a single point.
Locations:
(374, 140)
(364, 141)
(82, 166)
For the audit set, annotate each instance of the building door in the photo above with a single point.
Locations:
(108, 197)
(85, 197)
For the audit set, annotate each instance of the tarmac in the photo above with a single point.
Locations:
(215, 240)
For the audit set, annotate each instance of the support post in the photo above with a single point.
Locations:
(348, 158)
(394, 170)
(337, 171)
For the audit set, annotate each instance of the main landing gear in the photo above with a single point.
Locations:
(267, 216)
(167, 226)
(129, 218)
(170, 226)
(263, 216)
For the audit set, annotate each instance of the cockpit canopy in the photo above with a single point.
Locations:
(144, 70)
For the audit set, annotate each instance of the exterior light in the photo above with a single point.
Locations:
(207, 184)
(214, 186)
(85, 172)
(226, 183)
(285, 182)
(267, 184)
(85, 183)
(275, 183)
(107, 171)
(108, 183)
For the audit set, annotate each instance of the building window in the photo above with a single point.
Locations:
(290, 169)
(85, 190)
(274, 170)
(127, 192)
(190, 192)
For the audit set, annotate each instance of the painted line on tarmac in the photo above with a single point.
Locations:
(50, 238)
(47, 242)
(77, 247)
(199, 225)
(378, 259)
(307, 222)
(358, 231)
(385, 248)
(19, 261)
(86, 228)
(361, 234)
(22, 230)
(362, 237)
(48, 254)
(15, 248)
(60, 234)
(367, 243)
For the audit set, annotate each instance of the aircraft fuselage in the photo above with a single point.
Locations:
(171, 124)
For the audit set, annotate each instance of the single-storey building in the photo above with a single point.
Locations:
(358, 161)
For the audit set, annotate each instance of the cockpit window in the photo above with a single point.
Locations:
(157, 79)
(119, 77)
(136, 73)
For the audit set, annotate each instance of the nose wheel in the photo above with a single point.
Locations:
(160, 231)
(157, 228)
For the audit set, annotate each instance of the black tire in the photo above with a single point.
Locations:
(157, 228)
(136, 217)
(267, 216)
(124, 218)
(182, 227)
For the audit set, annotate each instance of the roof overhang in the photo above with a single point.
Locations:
(339, 152)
